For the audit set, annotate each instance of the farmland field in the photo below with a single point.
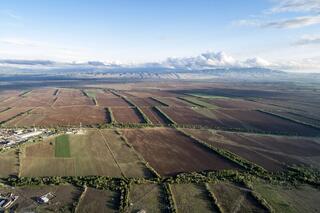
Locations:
(192, 198)
(270, 152)
(93, 153)
(9, 163)
(149, 197)
(161, 147)
(233, 198)
(127, 115)
(62, 146)
(95, 200)
(169, 152)
(289, 199)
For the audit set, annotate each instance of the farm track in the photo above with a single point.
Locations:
(111, 152)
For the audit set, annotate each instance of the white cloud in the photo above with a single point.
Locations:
(296, 6)
(308, 14)
(294, 22)
(308, 40)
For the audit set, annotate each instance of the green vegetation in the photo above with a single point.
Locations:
(202, 95)
(62, 146)
(144, 116)
(197, 102)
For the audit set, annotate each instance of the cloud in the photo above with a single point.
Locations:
(26, 62)
(308, 40)
(208, 60)
(296, 6)
(294, 23)
(308, 14)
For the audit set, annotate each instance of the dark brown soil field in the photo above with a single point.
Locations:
(255, 120)
(187, 116)
(126, 115)
(108, 99)
(61, 116)
(270, 152)
(169, 152)
(68, 97)
(154, 116)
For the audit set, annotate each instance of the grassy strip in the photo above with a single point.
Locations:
(289, 119)
(171, 122)
(55, 93)
(5, 109)
(159, 101)
(20, 114)
(24, 93)
(109, 113)
(144, 116)
(90, 96)
(125, 140)
(81, 198)
(229, 155)
(212, 197)
(262, 201)
(169, 198)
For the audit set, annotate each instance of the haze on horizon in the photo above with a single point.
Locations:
(267, 33)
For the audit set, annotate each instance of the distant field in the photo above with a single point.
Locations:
(62, 146)
(61, 116)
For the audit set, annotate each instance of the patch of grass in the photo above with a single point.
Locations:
(196, 101)
(200, 95)
(62, 146)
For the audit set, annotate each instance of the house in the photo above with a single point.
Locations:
(45, 198)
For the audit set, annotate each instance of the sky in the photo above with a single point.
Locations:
(279, 33)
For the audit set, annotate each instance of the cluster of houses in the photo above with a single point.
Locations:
(11, 137)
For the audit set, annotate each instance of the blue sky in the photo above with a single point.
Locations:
(144, 30)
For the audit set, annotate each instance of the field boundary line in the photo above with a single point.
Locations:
(248, 165)
(111, 152)
(83, 194)
(213, 198)
(289, 119)
(15, 116)
(140, 157)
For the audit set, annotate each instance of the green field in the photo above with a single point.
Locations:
(286, 198)
(202, 95)
(192, 198)
(196, 101)
(62, 147)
